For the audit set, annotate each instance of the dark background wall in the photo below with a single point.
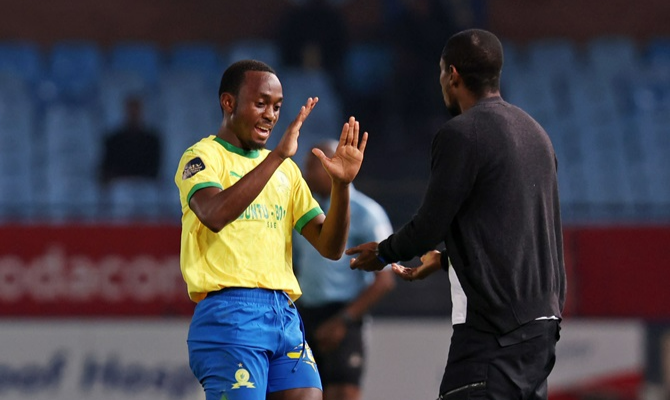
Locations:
(168, 21)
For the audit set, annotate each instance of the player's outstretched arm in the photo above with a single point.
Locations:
(329, 235)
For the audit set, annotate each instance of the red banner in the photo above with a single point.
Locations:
(110, 270)
(91, 271)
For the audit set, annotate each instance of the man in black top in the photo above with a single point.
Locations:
(492, 198)
(133, 150)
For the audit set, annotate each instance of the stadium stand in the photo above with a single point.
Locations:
(611, 135)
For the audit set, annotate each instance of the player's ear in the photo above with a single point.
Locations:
(227, 102)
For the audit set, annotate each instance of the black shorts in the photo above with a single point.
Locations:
(344, 365)
(516, 365)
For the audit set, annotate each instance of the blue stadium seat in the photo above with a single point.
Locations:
(198, 56)
(129, 200)
(17, 136)
(190, 111)
(368, 67)
(141, 58)
(73, 143)
(612, 55)
(605, 168)
(324, 122)
(555, 56)
(658, 52)
(655, 137)
(592, 99)
(535, 92)
(565, 135)
(257, 49)
(75, 68)
(23, 59)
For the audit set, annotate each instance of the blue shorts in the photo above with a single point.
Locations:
(246, 343)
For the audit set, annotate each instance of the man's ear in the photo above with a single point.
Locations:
(227, 102)
(454, 76)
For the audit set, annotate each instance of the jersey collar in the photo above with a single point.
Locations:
(237, 150)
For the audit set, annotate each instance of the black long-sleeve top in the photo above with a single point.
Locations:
(492, 198)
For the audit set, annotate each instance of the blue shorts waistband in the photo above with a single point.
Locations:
(258, 295)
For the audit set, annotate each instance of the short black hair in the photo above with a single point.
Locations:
(477, 55)
(233, 76)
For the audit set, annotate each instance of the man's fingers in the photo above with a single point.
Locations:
(357, 127)
(305, 110)
(353, 250)
(363, 143)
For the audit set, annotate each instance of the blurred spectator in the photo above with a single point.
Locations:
(418, 29)
(314, 35)
(133, 150)
(336, 301)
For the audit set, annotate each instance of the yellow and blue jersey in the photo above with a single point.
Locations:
(254, 251)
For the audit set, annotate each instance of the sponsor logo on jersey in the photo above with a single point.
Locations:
(192, 167)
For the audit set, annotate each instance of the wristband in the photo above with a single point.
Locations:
(346, 317)
(379, 257)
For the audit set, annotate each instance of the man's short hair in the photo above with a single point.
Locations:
(233, 76)
(477, 55)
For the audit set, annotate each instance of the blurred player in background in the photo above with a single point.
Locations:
(240, 203)
(336, 300)
(492, 198)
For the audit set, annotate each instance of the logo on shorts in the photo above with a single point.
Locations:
(192, 167)
(242, 378)
(307, 355)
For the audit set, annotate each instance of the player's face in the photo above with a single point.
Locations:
(256, 109)
(447, 89)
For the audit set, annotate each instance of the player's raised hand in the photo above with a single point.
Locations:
(430, 262)
(346, 162)
(288, 144)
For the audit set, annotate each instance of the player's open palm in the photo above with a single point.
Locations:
(346, 162)
(288, 144)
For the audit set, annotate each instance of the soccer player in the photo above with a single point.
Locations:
(336, 301)
(492, 198)
(240, 203)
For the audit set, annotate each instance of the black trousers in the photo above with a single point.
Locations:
(346, 364)
(483, 365)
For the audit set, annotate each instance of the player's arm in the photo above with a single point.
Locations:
(328, 234)
(216, 208)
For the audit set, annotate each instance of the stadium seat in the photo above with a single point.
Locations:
(198, 56)
(592, 99)
(144, 59)
(324, 122)
(74, 69)
(256, 49)
(17, 135)
(554, 56)
(605, 168)
(368, 67)
(189, 111)
(658, 52)
(72, 153)
(536, 93)
(131, 200)
(655, 141)
(23, 59)
(611, 55)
